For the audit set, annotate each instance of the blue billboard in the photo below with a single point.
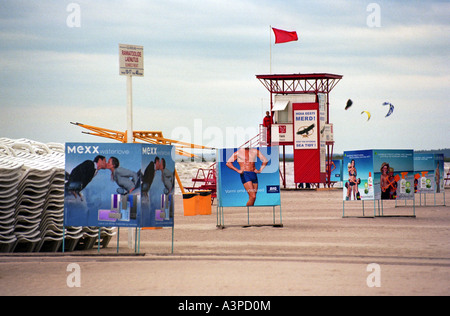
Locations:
(386, 174)
(119, 185)
(248, 177)
(429, 169)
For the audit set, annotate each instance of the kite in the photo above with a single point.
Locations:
(391, 108)
(368, 114)
(349, 104)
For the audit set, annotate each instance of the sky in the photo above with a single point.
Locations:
(59, 63)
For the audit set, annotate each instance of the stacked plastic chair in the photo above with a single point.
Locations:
(32, 199)
(10, 174)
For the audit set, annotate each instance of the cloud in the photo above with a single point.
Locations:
(201, 58)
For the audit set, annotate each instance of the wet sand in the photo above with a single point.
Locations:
(316, 252)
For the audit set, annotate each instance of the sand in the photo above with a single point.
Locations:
(316, 252)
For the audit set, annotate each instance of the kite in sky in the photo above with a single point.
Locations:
(391, 108)
(368, 114)
(349, 104)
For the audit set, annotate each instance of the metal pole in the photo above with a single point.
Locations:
(130, 135)
(118, 237)
(173, 231)
(64, 238)
(98, 244)
(270, 45)
(129, 109)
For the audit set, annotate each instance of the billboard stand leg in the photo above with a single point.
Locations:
(273, 213)
(118, 237)
(248, 216)
(98, 243)
(135, 239)
(173, 231)
(64, 239)
(139, 244)
(281, 217)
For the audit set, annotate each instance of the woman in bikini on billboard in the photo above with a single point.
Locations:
(353, 182)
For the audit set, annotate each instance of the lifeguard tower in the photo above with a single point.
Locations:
(299, 106)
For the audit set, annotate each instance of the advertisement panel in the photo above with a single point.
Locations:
(428, 169)
(439, 173)
(118, 185)
(336, 170)
(248, 177)
(393, 174)
(357, 175)
(378, 174)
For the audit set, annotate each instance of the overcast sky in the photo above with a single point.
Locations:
(201, 59)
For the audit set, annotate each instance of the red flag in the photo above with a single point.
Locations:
(284, 36)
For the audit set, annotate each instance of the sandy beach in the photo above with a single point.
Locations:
(316, 252)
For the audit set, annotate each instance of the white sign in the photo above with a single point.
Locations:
(282, 133)
(305, 129)
(131, 60)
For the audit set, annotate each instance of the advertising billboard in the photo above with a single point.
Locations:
(119, 185)
(378, 174)
(429, 171)
(248, 177)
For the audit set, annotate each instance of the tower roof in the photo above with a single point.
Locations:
(299, 83)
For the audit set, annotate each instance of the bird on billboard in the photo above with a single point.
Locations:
(305, 131)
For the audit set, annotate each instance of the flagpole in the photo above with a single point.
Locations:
(270, 47)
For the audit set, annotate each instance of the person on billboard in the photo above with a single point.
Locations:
(385, 184)
(81, 175)
(168, 179)
(437, 178)
(392, 185)
(246, 158)
(126, 179)
(149, 175)
(352, 184)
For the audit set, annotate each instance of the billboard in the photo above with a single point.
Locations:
(335, 170)
(378, 174)
(248, 177)
(119, 185)
(429, 171)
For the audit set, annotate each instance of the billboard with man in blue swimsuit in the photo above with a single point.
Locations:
(248, 177)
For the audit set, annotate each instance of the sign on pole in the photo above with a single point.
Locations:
(131, 63)
(131, 60)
